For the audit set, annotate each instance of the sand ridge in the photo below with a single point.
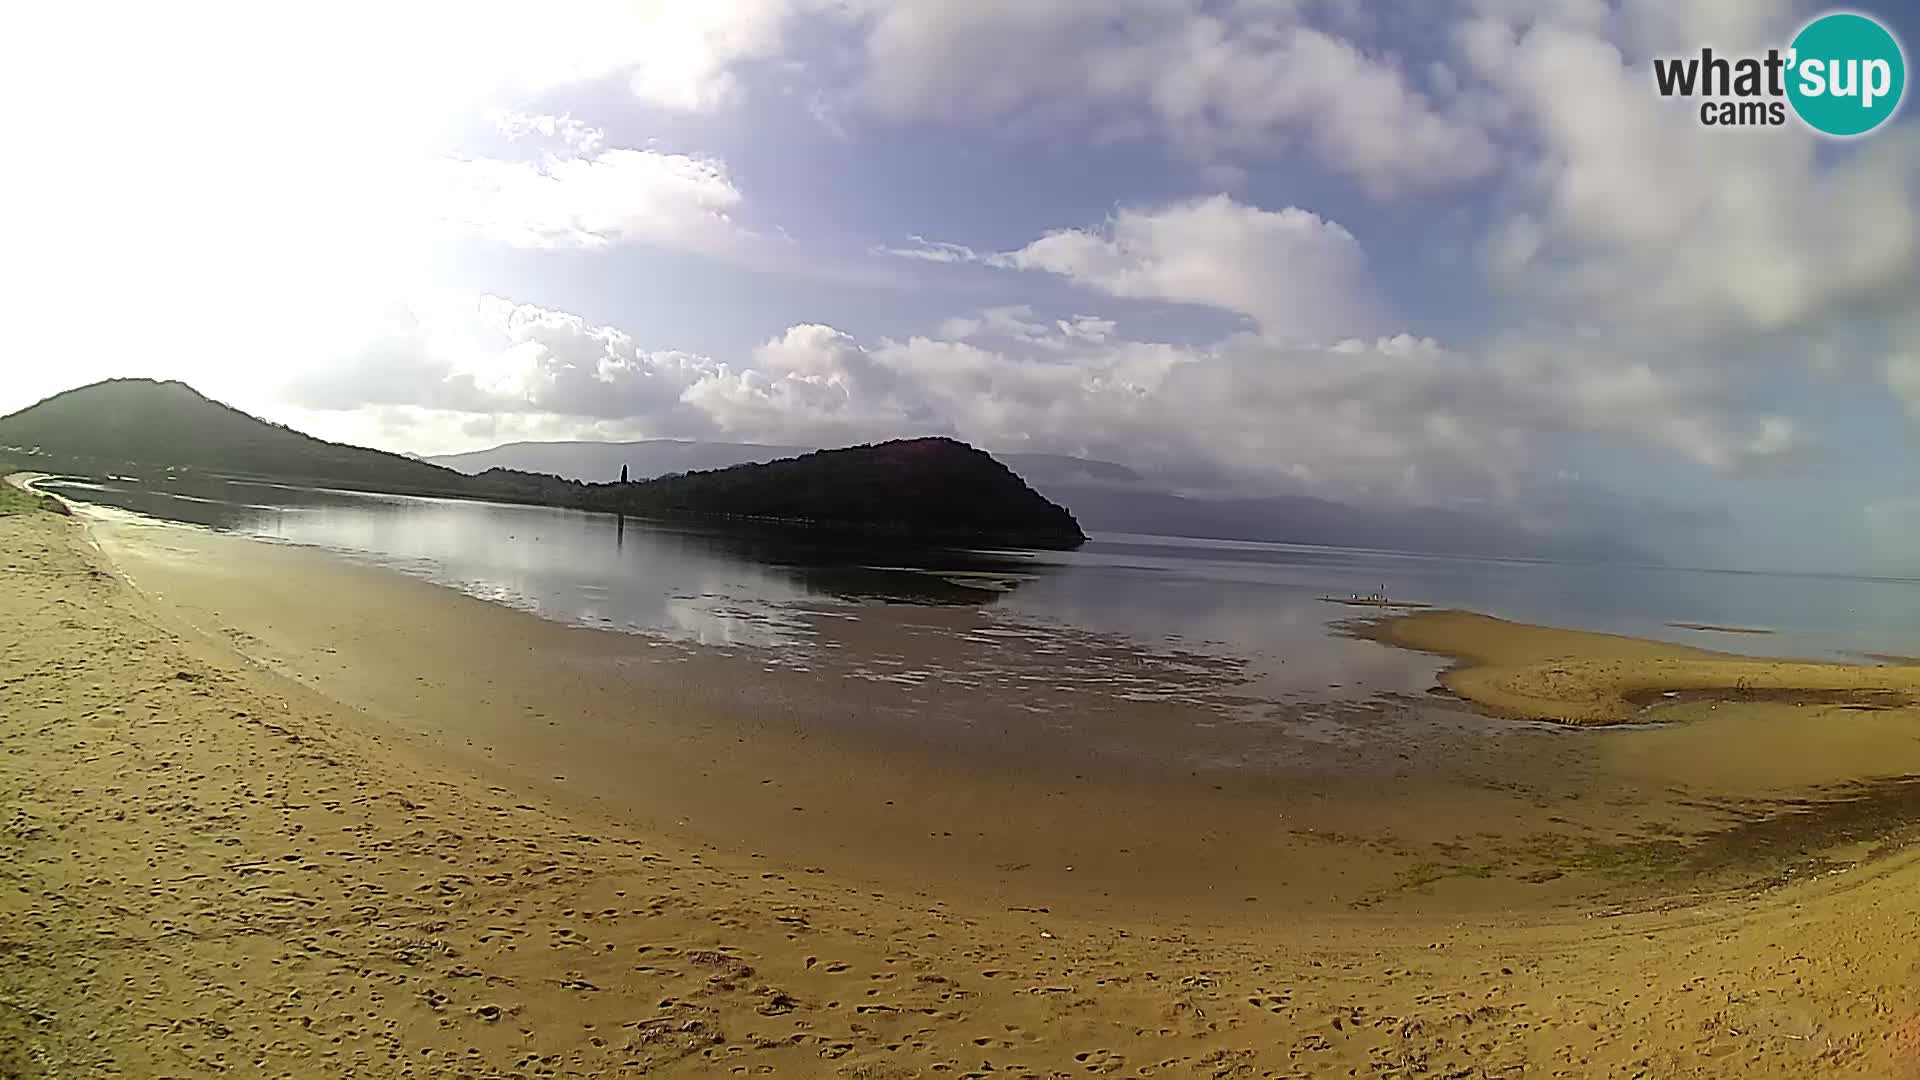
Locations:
(1583, 678)
(208, 869)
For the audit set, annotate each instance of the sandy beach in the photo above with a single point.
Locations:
(268, 813)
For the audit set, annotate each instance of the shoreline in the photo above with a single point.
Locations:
(1415, 807)
(716, 748)
(882, 784)
(213, 866)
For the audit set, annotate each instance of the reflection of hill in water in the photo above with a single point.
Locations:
(1239, 600)
(400, 528)
(912, 575)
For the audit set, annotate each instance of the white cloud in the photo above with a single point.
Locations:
(1688, 261)
(1629, 212)
(691, 48)
(1399, 417)
(1086, 328)
(1300, 277)
(557, 362)
(1733, 255)
(278, 160)
(814, 384)
(577, 137)
(1016, 322)
(1242, 77)
(1577, 384)
(931, 251)
(611, 197)
(1730, 26)
(669, 54)
(493, 356)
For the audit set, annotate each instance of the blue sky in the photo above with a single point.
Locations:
(1454, 253)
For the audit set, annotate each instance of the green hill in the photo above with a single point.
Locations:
(141, 423)
(932, 489)
(936, 487)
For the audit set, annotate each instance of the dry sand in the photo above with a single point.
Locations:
(207, 866)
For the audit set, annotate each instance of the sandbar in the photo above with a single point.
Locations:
(1583, 678)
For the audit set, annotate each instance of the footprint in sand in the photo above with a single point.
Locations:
(1273, 1003)
(1100, 1061)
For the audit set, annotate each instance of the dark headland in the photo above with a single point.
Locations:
(935, 490)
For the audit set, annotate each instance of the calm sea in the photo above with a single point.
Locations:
(1143, 613)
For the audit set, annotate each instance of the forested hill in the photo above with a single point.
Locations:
(140, 422)
(938, 486)
(933, 489)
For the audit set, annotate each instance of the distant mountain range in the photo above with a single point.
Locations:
(932, 489)
(1105, 497)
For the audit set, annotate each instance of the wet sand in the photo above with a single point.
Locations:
(1094, 802)
(841, 771)
(434, 837)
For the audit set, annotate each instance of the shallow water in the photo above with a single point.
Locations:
(1143, 688)
(1255, 607)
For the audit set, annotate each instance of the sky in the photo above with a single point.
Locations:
(1455, 254)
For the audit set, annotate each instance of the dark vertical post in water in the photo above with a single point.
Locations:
(620, 520)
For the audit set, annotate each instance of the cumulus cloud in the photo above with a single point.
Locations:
(1626, 209)
(1297, 275)
(691, 49)
(670, 55)
(1669, 264)
(1399, 416)
(1577, 383)
(609, 197)
(1394, 417)
(814, 384)
(557, 362)
(576, 136)
(496, 357)
(1245, 76)
(1016, 322)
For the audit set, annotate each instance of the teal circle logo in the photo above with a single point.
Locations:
(1846, 74)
